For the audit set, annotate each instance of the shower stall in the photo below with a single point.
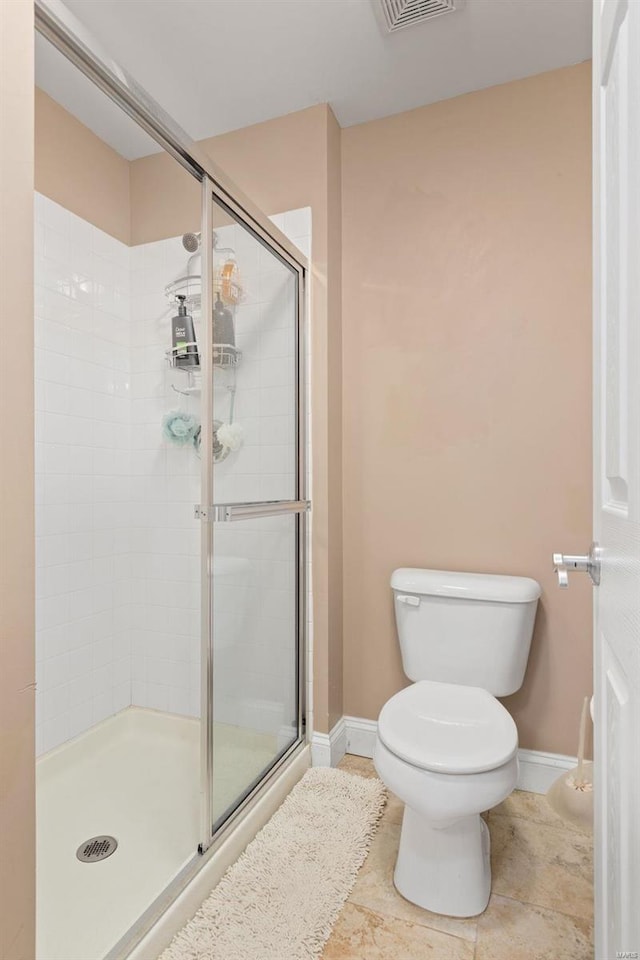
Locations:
(172, 504)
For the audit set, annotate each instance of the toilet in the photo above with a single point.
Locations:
(445, 745)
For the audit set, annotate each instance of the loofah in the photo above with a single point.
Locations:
(230, 435)
(179, 427)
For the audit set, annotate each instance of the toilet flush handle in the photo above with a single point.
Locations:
(407, 598)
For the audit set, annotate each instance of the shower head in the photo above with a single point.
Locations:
(191, 242)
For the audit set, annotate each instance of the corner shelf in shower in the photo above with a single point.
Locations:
(190, 287)
(225, 357)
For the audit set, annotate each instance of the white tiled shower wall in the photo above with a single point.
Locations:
(82, 473)
(117, 546)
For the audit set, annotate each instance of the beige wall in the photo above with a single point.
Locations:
(280, 164)
(17, 668)
(77, 169)
(467, 338)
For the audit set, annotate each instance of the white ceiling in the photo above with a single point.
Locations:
(217, 65)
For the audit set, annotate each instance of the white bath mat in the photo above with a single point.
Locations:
(280, 900)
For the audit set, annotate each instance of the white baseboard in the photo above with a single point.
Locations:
(537, 770)
(361, 736)
(328, 749)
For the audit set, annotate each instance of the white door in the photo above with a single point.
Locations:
(616, 162)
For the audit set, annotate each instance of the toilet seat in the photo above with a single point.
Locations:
(448, 728)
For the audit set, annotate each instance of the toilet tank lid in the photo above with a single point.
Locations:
(470, 586)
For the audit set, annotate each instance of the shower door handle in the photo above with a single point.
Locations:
(227, 512)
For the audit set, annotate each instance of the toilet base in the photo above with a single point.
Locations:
(445, 870)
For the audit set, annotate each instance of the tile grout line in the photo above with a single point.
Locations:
(546, 912)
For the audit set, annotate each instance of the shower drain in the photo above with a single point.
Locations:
(96, 848)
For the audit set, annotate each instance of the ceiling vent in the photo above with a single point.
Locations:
(397, 14)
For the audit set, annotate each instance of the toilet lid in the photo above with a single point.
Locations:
(448, 728)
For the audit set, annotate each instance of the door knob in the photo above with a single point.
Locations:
(565, 563)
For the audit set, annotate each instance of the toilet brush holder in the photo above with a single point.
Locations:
(571, 795)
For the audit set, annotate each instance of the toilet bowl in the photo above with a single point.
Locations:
(445, 745)
(448, 753)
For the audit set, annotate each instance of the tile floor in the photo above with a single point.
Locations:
(540, 908)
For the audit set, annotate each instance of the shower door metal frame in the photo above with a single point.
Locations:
(58, 25)
(206, 526)
(209, 512)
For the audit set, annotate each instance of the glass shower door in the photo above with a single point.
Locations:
(257, 520)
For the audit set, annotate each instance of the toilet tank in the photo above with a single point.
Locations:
(473, 629)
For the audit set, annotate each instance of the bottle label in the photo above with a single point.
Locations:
(180, 339)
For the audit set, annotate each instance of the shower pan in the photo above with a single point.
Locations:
(198, 522)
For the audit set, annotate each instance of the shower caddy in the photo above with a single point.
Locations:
(226, 356)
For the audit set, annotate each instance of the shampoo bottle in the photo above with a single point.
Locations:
(183, 336)
(223, 331)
